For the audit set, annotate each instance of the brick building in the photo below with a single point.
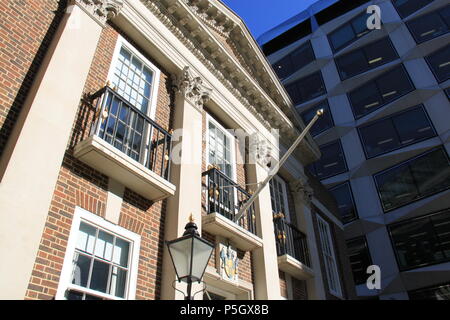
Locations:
(96, 174)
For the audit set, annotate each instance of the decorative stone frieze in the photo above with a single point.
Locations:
(100, 10)
(302, 189)
(192, 88)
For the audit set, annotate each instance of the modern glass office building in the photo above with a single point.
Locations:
(385, 135)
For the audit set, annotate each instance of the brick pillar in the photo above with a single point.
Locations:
(35, 150)
(186, 171)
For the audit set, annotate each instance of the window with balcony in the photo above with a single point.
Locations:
(439, 62)
(397, 131)
(366, 58)
(125, 142)
(407, 7)
(431, 25)
(375, 94)
(349, 32)
(439, 292)
(101, 260)
(294, 61)
(332, 161)
(324, 123)
(329, 257)
(346, 204)
(421, 241)
(360, 259)
(307, 88)
(415, 179)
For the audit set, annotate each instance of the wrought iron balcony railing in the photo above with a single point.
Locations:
(225, 197)
(290, 240)
(131, 131)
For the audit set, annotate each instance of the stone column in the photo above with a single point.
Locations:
(35, 150)
(265, 259)
(302, 194)
(186, 171)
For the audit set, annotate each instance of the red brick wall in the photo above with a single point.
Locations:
(26, 30)
(80, 185)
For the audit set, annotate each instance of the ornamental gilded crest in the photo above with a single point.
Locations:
(228, 263)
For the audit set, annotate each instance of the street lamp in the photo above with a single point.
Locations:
(190, 255)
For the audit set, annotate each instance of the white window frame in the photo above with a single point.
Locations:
(232, 147)
(121, 42)
(285, 197)
(326, 241)
(82, 215)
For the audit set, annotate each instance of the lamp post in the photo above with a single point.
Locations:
(190, 255)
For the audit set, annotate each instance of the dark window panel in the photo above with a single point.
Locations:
(447, 92)
(379, 138)
(332, 161)
(421, 241)
(439, 62)
(349, 32)
(417, 178)
(294, 61)
(396, 131)
(360, 259)
(306, 88)
(337, 9)
(344, 199)
(366, 58)
(441, 292)
(407, 7)
(376, 93)
(430, 25)
(325, 121)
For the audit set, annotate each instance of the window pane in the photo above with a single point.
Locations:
(325, 121)
(104, 245)
(283, 67)
(86, 238)
(81, 268)
(365, 99)
(440, 64)
(121, 251)
(380, 52)
(441, 224)
(431, 172)
(302, 56)
(294, 93)
(351, 64)
(360, 25)
(311, 87)
(413, 126)
(99, 277)
(408, 7)
(332, 161)
(341, 37)
(427, 27)
(396, 187)
(359, 259)
(394, 84)
(441, 292)
(416, 178)
(415, 243)
(118, 282)
(344, 199)
(379, 138)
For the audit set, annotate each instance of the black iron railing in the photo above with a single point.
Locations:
(223, 196)
(131, 131)
(290, 240)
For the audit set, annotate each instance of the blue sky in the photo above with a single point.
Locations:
(262, 15)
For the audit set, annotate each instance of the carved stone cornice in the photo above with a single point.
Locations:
(302, 189)
(100, 10)
(192, 88)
